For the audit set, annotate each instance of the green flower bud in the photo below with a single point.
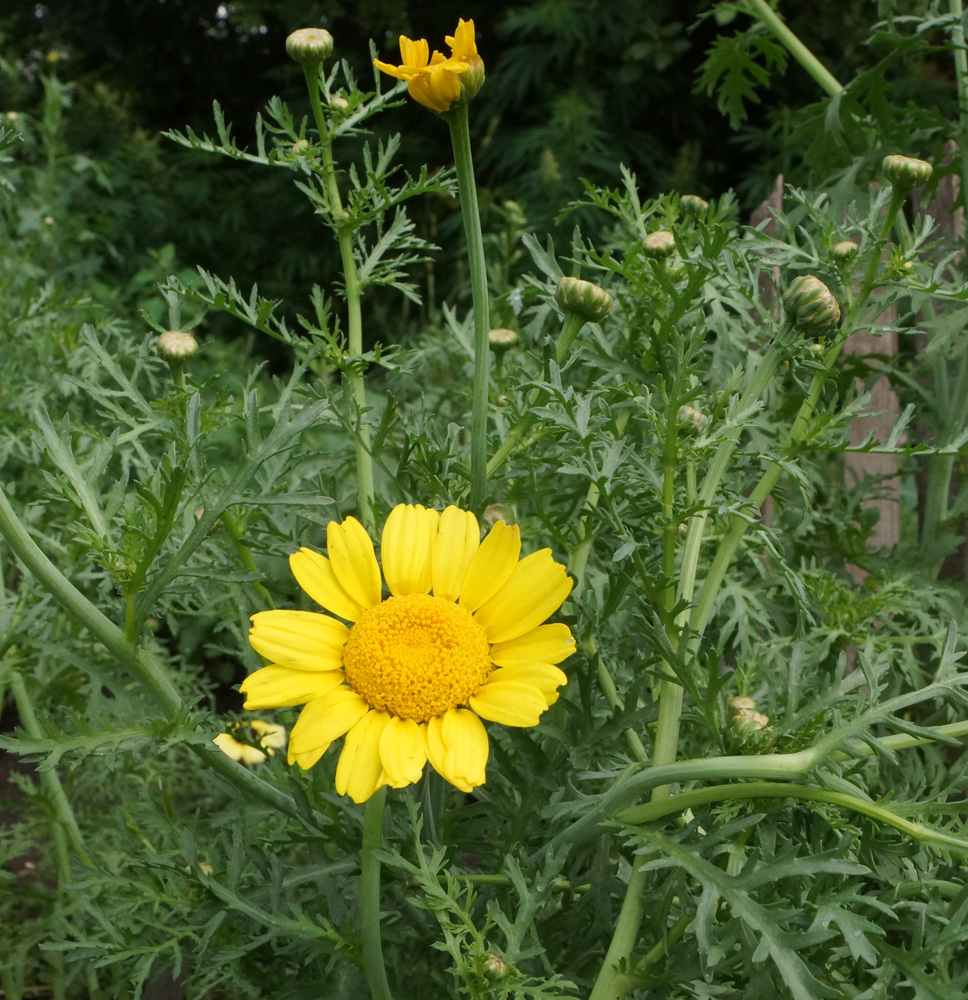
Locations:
(905, 171)
(845, 250)
(748, 720)
(300, 147)
(582, 297)
(309, 46)
(692, 204)
(811, 306)
(740, 701)
(659, 245)
(501, 339)
(691, 418)
(339, 103)
(494, 966)
(177, 345)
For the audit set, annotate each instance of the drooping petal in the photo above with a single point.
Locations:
(280, 687)
(403, 751)
(457, 748)
(512, 703)
(492, 566)
(327, 718)
(458, 539)
(544, 644)
(301, 640)
(359, 772)
(400, 72)
(307, 758)
(536, 590)
(354, 562)
(408, 538)
(546, 677)
(314, 573)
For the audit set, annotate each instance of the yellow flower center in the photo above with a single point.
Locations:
(416, 656)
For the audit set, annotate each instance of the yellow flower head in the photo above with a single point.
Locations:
(459, 639)
(433, 80)
(273, 737)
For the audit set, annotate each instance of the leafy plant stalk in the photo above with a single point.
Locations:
(373, 966)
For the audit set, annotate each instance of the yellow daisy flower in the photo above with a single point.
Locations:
(273, 738)
(459, 639)
(433, 80)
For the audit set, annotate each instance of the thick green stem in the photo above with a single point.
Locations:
(373, 967)
(761, 10)
(460, 136)
(569, 330)
(961, 78)
(697, 797)
(354, 315)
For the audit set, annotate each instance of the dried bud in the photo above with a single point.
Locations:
(177, 345)
(740, 701)
(748, 720)
(692, 204)
(309, 46)
(501, 339)
(811, 306)
(492, 514)
(300, 147)
(582, 297)
(659, 245)
(845, 250)
(905, 171)
(494, 966)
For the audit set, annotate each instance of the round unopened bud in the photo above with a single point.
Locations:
(585, 299)
(339, 103)
(494, 966)
(690, 417)
(472, 79)
(748, 720)
(300, 147)
(811, 306)
(309, 45)
(177, 345)
(659, 245)
(692, 204)
(501, 339)
(740, 701)
(905, 171)
(845, 250)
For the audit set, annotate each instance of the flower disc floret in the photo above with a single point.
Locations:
(416, 657)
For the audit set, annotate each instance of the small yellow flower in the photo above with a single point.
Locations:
(459, 639)
(273, 738)
(433, 80)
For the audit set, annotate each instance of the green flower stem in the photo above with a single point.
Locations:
(961, 76)
(609, 984)
(696, 797)
(460, 136)
(139, 661)
(373, 967)
(245, 556)
(612, 697)
(66, 820)
(354, 315)
(569, 330)
(761, 10)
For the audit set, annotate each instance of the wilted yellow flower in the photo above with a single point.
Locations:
(273, 737)
(433, 80)
(458, 640)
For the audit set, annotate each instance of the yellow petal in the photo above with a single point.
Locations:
(543, 676)
(458, 539)
(272, 735)
(280, 687)
(403, 751)
(326, 719)
(314, 573)
(462, 42)
(457, 748)
(544, 644)
(414, 53)
(511, 703)
(309, 757)
(353, 561)
(360, 770)
(400, 72)
(492, 565)
(536, 590)
(302, 640)
(230, 746)
(408, 538)
(422, 91)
